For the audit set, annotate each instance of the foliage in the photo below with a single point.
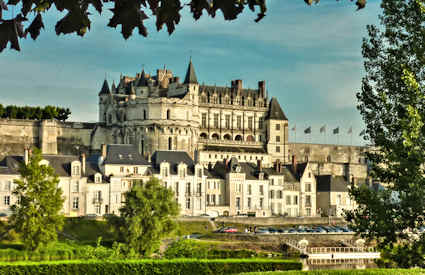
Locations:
(130, 14)
(201, 250)
(392, 104)
(36, 215)
(147, 216)
(343, 272)
(65, 251)
(36, 113)
(87, 231)
(176, 266)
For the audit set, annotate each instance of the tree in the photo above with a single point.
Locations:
(130, 14)
(392, 104)
(37, 214)
(147, 216)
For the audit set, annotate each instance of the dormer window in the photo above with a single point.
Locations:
(76, 170)
(164, 171)
(97, 178)
(136, 170)
(182, 172)
(261, 176)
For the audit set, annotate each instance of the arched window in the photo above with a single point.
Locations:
(168, 114)
(215, 136)
(238, 138)
(227, 137)
(204, 135)
(250, 138)
(170, 143)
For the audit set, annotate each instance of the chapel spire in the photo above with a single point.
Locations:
(190, 74)
(105, 88)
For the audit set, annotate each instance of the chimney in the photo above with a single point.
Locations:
(239, 84)
(262, 88)
(26, 156)
(104, 151)
(259, 165)
(83, 163)
(277, 166)
(294, 163)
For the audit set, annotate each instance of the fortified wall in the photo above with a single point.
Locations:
(72, 138)
(53, 137)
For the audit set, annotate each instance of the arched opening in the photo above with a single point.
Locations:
(170, 143)
(226, 213)
(238, 138)
(204, 135)
(144, 114)
(227, 137)
(215, 136)
(250, 138)
(168, 114)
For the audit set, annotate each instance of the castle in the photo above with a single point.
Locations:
(223, 150)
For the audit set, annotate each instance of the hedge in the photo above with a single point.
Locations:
(345, 272)
(175, 266)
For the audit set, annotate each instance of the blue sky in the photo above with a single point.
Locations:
(310, 58)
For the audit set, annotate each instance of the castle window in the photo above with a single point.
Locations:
(249, 203)
(170, 143)
(277, 127)
(188, 189)
(75, 203)
(135, 170)
(144, 114)
(110, 118)
(296, 200)
(204, 120)
(308, 187)
(239, 122)
(6, 200)
(168, 114)
(215, 120)
(260, 123)
(277, 138)
(227, 121)
(279, 193)
(277, 149)
(203, 99)
(238, 203)
(75, 170)
(261, 203)
(97, 179)
(188, 203)
(250, 123)
(249, 190)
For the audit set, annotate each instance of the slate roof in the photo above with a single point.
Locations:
(275, 111)
(329, 183)
(190, 74)
(124, 154)
(234, 149)
(226, 90)
(60, 163)
(105, 88)
(173, 158)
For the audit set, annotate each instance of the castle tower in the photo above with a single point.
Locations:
(277, 132)
(104, 93)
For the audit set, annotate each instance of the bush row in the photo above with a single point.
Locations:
(175, 266)
(344, 272)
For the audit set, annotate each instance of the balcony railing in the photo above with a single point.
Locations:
(230, 142)
(97, 201)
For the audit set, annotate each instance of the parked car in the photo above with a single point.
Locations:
(272, 230)
(262, 230)
(319, 229)
(230, 230)
(292, 230)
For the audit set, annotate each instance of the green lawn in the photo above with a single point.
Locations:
(343, 272)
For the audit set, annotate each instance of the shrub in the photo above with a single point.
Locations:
(176, 266)
(186, 249)
(344, 272)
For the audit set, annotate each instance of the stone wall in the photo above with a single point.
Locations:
(51, 136)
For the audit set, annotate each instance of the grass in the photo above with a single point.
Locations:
(187, 228)
(343, 272)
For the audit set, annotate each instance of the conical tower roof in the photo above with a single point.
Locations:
(105, 88)
(190, 74)
(113, 88)
(142, 79)
(275, 111)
